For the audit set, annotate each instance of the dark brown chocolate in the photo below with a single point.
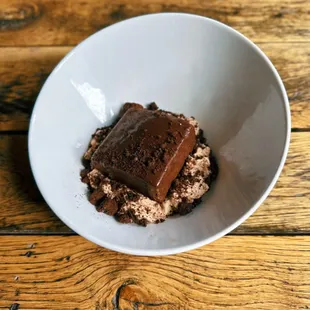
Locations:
(96, 197)
(145, 150)
(130, 105)
(108, 206)
(84, 176)
(153, 106)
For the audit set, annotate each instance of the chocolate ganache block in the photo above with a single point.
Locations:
(145, 151)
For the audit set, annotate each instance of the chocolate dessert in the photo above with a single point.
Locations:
(145, 151)
(148, 165)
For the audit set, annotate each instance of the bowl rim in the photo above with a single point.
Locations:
(192, 246)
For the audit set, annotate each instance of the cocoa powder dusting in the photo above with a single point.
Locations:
(145, 160)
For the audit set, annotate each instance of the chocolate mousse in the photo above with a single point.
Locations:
(148, 165)
(145, 151)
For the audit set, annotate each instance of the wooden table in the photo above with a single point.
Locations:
(264, 264)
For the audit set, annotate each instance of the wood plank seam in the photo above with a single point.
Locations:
(68, 22)
(24, 71)
(235, 272)
(289, 200)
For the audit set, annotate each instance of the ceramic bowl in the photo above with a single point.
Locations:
(187, 64)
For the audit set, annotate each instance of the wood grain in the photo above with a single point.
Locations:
(287, 209)
(61, 22)
(67, 272)
(24, 70)
(22, 206)
(236, 272)
(22, 74)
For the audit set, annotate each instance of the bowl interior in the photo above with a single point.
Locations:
(185, 64)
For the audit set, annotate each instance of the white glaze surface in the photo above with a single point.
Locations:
(186, 64)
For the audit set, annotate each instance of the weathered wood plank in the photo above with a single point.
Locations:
(24, 70)
(61, 22)
(236, 272)
(22, 74)
(287, 209)
(22, 206)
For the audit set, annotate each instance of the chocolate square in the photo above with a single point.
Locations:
(145, 151)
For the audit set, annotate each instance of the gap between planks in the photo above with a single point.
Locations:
(289, 200)
(67, 273)
(25, 132)
(24, 71)
(232, 233)
(256, 42)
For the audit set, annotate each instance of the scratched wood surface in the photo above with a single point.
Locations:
(285, 211)
(244, 272)
(43, 265)
(24, 70)
(62, 22)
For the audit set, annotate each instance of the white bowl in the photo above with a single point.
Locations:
(187, 64)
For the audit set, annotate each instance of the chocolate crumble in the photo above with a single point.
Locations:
(108, 206)
(147, 153)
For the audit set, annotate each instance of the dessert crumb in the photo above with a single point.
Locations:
(130, 206)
